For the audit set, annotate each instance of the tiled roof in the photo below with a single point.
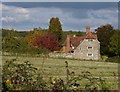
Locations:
(91, 36)
(75, 40)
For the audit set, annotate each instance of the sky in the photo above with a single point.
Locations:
(73, 15)
(60, 0)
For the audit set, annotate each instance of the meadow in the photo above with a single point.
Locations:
(55, 67)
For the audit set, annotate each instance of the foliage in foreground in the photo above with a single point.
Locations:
(26, 77)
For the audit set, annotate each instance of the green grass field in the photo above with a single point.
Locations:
(56, 68)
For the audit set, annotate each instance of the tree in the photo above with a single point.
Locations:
(32, 35)
(13, 42)
(114, 45)
(56, 27)
(104, 33)
(48, 41)
(10, 41)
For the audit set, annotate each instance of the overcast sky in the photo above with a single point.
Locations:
(73, 16)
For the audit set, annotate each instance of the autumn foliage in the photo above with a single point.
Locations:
(33, 34)
(48, 41)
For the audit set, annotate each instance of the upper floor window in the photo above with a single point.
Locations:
(90, 47)
(72, 46)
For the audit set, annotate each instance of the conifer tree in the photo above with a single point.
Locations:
(56, 27)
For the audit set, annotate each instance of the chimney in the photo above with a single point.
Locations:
(68, 40)
(87, 29)
(68, 43)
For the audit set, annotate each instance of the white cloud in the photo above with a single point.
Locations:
(14, 14)
(103, 16)
(43, 14)
(102, 13)
(4, 7)
(21, 11)
(40, 16)
(7, 19)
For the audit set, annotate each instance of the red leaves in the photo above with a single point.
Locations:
(48, 41)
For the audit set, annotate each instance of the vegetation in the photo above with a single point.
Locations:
(104, 33)
(44, 73)
(35, 42)
(34, 34)
(114, 46)
(13, 43)
(48, 41)
(56, 27)
(109, 40)
(115, 59)
(25, 75)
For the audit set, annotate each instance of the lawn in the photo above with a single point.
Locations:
(56, 68)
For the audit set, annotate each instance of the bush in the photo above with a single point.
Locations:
(21, 76)
(115, 59)
(104, 57)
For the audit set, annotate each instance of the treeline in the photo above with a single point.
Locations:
(38, 40)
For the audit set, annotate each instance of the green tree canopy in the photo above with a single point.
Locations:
(104, 33)
(10, 41)
(56, 27)
(114, 45)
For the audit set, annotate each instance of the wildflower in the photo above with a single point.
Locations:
(53, 81)
(8, 82)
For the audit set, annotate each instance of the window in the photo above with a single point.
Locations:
(90, 40)
(90, 54)
(73, 47)
(90, 47)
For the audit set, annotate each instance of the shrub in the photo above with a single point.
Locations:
(104, 57)
(115, 59)
(21, 76)
(90, 82)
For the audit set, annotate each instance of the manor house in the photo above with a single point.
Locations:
(83, 47)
